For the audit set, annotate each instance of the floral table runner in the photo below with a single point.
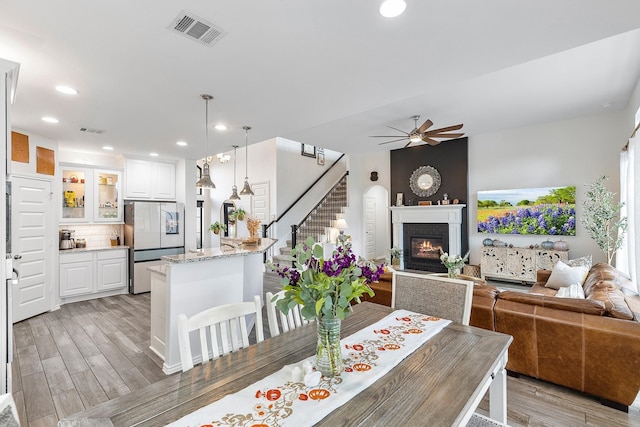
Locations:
(279, 401)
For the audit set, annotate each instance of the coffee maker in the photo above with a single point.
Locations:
(66, 240)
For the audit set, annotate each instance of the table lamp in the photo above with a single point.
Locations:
(340, 224)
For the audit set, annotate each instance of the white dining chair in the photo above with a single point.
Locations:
(429, 294)
(224, 322)
(288, 321)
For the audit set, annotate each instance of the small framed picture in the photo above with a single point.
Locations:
(424, 203)
(399, 199)
(320, 156)
(308, 150)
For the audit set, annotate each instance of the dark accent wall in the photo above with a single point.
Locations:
(450, 158)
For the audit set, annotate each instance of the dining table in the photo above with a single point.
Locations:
(441, 383)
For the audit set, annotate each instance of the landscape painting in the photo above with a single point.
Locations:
(545, 211)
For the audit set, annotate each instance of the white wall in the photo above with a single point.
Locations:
(568, 152)
(360, 167)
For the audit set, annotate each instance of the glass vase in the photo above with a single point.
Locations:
(328, 354)
(453, 272)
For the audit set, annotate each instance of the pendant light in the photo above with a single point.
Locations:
(246, 190)
(234, 189)
(205, 179)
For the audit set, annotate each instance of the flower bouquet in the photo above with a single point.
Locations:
(324, 289)
(454, 263)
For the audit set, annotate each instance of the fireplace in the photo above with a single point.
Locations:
(429, 227)
(423, 243)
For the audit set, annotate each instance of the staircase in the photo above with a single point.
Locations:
(319, 220)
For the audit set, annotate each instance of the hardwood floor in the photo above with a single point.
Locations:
(89, 352)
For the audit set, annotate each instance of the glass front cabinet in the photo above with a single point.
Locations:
(107, 204)
(76, 200)
(91, 195)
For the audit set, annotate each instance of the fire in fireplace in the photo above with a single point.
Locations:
(426, 248)
(422, 243)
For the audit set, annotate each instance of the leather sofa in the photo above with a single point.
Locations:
(591, 345)
(570, 342)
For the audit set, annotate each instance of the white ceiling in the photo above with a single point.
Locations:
(324, 72)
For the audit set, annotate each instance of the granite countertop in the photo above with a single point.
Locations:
(91, 249)
(224, 251)
(160, 269)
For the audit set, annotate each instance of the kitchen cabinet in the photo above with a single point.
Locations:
(90, 195)
(76, 274)
(76, 194)
(146, 180)
(108, 205)
(91, 274)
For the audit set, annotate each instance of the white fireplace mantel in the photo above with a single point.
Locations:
(443, 214)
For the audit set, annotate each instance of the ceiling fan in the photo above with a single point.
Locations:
(423, 134)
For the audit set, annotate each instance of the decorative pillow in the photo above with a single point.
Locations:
(563, 275)
(585, 260)
(574, 291)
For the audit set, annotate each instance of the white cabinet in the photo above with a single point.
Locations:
(147, 180)
(107, 205)
(93, 273)
(76, 274)
(520, 264)
(90, 195)
(111, 270)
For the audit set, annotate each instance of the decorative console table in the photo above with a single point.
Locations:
(518, 264)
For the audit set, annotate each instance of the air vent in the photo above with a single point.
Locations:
(197, 29)
(91, 130)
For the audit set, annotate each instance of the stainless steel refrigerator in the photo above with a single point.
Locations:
(151, 230)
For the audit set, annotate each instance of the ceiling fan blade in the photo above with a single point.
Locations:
(399, 130)
(426, 125)
(389, 142)
(430, 141)
(387, 136)
(441, 130)
(446, 135)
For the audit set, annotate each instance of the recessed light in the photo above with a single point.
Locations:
(392, 8)
(181, 143)
(67, 90)
(50, 120)
(107, 147)
(221, 127)
(154, 154)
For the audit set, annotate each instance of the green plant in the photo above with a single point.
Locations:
(325, 288)
(395, 253)
(216, 227)
(602, 218)
(240, 213)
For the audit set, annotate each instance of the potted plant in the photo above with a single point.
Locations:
(454, 263)
(216, 227)
(324, 289)
(396, 254)
(240, 213)
(602, 218)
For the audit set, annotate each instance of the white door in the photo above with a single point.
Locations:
(370, 227)
(31, 217)
(260, 202)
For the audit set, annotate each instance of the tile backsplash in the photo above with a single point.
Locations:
(96, 235)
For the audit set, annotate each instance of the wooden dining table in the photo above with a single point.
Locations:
(439, 384)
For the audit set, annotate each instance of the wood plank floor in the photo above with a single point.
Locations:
(89, 352)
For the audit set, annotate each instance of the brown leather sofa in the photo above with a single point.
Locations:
(591, 345)
(382, 290)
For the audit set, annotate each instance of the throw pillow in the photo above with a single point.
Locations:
(585, 260)
(563, 275)
(574, 291)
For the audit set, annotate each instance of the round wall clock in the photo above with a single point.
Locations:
(425, 181)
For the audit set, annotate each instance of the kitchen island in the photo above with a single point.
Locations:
(194, 281)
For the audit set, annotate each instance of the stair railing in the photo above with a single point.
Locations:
(266, 227)
(295, 227)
